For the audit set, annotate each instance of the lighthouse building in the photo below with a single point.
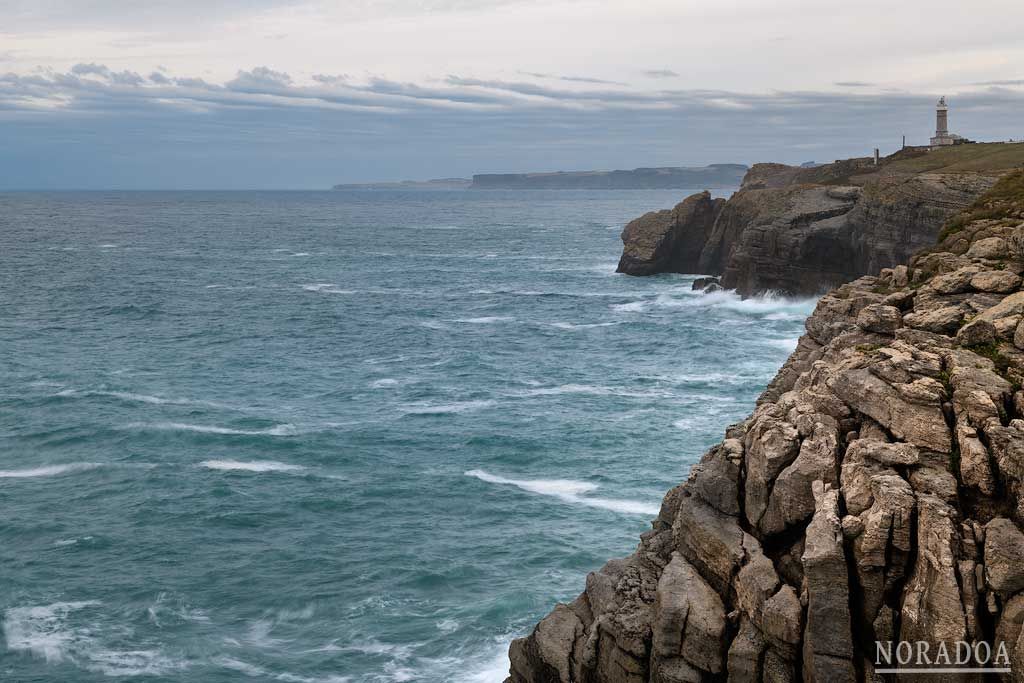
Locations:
(942, 135)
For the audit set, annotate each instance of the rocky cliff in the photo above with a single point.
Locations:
(670, 241)
(874, 495)
(805, 230)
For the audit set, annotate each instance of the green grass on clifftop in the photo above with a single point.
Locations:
(991, 156)
(1004, 201)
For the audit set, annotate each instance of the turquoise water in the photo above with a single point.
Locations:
(337, 436)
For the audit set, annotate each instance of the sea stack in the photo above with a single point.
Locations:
(669, 241)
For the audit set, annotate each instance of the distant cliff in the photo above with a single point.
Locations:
(803, 230)
(669, 178)
(874, 495)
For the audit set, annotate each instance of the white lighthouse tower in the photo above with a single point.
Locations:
(942, 135)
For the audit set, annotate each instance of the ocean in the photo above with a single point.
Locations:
(337, 436)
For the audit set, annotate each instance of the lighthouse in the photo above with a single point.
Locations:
(942, 135)
(941, 118)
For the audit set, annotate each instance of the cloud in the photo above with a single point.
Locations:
(260, 78)
(1007, 82)
(265, 127)
(572, 79)
(661, 73)
(853, 84)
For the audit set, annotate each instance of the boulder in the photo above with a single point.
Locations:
(880, 318)
(989, 248)
(940, 320)
(977, 333)
(998, 281)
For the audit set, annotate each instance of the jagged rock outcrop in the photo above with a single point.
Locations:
(874, 495)
(669, 241)
(806, 230)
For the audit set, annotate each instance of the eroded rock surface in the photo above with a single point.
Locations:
(803, 231)
(669, 241)
(873, 495)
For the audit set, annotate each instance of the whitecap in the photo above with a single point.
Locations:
(132, 662)
(42, 629)
(788, 344)
(384, 383)
(71, 541)
(278, 430)
(327, 288)
(446, 408)
(49, 470)
(250, 466)
(594, 390)
(138, 398)
(581, 326)
(259, 672)
(569, 491)
(492, 670)
(486, 320)
(631, 307)
(765, 304)
(108, 246)
(447, 626)
(301, 253)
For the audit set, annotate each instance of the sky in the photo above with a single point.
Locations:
(295, 94)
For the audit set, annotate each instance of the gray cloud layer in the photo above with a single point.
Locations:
(264, 128)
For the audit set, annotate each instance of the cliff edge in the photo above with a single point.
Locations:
(874, 496)
(805, 230)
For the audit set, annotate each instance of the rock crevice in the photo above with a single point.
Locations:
(873, 495)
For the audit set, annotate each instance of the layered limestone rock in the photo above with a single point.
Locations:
(669, 241)
(874, 495)
(803, 231)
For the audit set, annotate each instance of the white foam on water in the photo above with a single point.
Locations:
(581, 326)
(71, 541)
(785, 316)
(109, 246)
(49, 470)
(594, 390)
(788, 344)
(763, 304)
(250, 466)
(569, 491)
(491, 669)
(447, 626)
(486, 320)
(255, 671)
(278, 430)
(42, 630)
(301, 253)
(132, 663)
(447, 408)
(384, 383)
(631, 307)
(327, 288)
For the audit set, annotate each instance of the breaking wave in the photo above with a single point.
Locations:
(569, 491)
(48, 470)
(250, 466)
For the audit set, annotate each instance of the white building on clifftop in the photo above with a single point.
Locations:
(942, 135)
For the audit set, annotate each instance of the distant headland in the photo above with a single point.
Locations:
(663, 178)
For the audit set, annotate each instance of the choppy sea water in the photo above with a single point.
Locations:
(337, 436)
